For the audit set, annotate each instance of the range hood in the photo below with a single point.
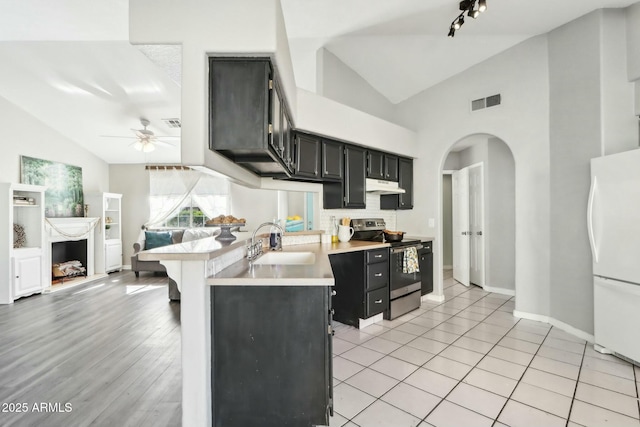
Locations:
(377, 186)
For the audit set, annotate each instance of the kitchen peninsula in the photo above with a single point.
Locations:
(256, 337)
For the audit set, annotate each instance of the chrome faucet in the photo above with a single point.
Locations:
(254, 250)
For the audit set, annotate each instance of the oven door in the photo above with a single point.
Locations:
(402, 269)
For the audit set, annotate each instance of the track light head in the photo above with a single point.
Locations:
(482, 5)
(468, 6)
(473, 13)
(452, 32)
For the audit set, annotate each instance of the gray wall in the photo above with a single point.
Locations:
(447, 222)
(335, 80)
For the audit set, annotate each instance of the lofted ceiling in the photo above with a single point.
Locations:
(69, 64)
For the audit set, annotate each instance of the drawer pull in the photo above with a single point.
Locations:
(378, 301)
(378, 256)
(378, 274)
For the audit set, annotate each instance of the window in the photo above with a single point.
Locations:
(185, 198)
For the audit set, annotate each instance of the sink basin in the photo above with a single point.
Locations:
(289, 258)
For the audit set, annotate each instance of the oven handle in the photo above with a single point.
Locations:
(402, 249)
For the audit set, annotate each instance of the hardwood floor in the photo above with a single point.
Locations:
(109, 350)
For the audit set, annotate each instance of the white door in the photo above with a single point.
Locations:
(476, 225)
(113, 255)
(27, 274)
(460, 225)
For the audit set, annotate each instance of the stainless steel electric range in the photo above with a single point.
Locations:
(404, 274)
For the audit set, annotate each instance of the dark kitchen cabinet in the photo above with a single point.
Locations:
(271, 361)
(350, 193)
(247, 114)
(361, 284)
(425, 261)
(405, 181)
(375, 165)
(332, 160)
(390, 167)
(306, 156)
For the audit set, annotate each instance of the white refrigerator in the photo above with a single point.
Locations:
(613, 219)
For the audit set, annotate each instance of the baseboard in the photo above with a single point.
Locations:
(432, 297)
(510, 292)
(363, 323)
(126, 267)
(557, 323)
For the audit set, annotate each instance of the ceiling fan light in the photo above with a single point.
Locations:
(148, 147)
(138, 145)
(482, 5)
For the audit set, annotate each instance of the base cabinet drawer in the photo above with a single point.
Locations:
(377, 301)
(377, 275)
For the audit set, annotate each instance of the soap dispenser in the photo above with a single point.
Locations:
(275, 237)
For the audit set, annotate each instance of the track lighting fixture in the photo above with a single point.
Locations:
(468, 6)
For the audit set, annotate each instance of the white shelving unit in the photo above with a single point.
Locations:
(22, 269)
(107, 206)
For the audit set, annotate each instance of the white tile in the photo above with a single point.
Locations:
(349, 401)
(446, 310)
(461, 321)
(412, 355)
(412, 328)
(502, 367)
(374, 329)
(381, 414)
(452, 328)
(471, 315)
(473, 344)
(461, 355)
(391, 323)
(491, 382)
(547, 381)
(494, 329)
(351, 424)
(560, 334)
(372, 382)
(448, 414)
(431, 382)
(510, 355)
(483, 336)
(395, 368)
(363, 356)
(590, 415)
(607, 399)
(411, 399)
(441, 336)
(516, 414)
(343, 368)
(448, 367)
(398, 336)
(428, 345)
(525, 335)
(435, 315)
(477, 399)
(589, 351)
(555, 367)
(355, 336)
(610, 382)
(560, 344)
(337, 420)
(533, 327)
(560, 355)
(520, 345)
(381, 345)
(425, 322)
(340, 346)
(611, 368)
(542, 399)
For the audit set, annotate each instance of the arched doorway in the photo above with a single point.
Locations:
(478, 211)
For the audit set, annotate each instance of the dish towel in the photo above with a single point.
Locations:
(410, 261)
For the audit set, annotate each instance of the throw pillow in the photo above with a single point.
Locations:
(156, 239)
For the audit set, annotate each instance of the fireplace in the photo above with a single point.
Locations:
(68, 259)
(72, 239)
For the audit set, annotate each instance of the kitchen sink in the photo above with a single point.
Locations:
(289, 258)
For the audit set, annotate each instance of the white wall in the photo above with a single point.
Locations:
(372, 211)
(443, 117)
(633, 41)
(23, 134)
(256, 206)
(342, 84)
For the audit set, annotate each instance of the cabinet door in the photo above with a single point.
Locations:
(113, 255)
(405, 180)
(287, 140)
(27, 278)
(375, 165)
(307, 155)
(275, 137)
(332, 165)
(354, 177)
(390, 167)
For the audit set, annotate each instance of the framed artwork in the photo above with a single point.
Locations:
(63, 196)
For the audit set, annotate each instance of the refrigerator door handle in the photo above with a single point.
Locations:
(592, 240)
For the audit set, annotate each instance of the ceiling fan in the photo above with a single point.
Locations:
(146, 139)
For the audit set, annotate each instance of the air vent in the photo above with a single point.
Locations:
(489, 101)
(172, 123)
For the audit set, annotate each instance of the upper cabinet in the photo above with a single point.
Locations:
(405, 181)
(248, 118)
(332, 157)
(382, 166)
(350, 193)
(307, 156)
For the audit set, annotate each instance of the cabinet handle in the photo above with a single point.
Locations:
(378, 301)
(333, 293)
(378, 256)
(378, 274)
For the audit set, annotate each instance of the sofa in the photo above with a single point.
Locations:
(149, 239)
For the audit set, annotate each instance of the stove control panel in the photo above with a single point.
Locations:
(368, 224)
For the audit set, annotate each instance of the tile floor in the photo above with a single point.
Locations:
(469, 362)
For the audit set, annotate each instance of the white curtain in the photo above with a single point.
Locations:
(210, 195)
(169, 190)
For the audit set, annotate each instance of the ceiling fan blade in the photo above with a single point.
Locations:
(117, 136)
